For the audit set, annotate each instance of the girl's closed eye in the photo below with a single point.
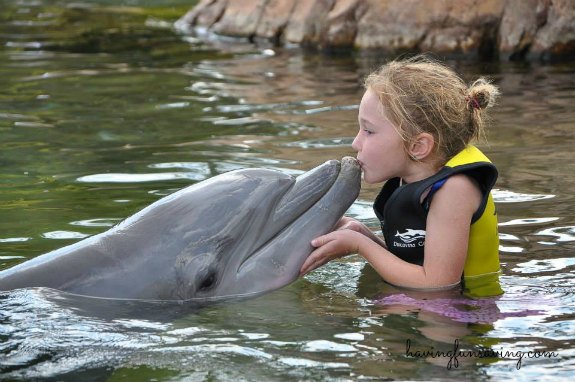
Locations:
(367, 131)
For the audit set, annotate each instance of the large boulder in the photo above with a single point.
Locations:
(510, 29)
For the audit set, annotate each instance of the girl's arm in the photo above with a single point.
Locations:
(447, 236)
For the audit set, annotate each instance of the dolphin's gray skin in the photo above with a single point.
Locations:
(241, 233)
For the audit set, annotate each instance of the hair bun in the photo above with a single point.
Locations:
(481, 94)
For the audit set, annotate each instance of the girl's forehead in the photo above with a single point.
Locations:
(370, 107)
(369, 101)
(369, 95)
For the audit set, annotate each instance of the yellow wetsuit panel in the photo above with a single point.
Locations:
(482, 268)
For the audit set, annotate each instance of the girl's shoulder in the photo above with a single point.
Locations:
(459, 191)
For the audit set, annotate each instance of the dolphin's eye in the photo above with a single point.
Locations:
(208, 281)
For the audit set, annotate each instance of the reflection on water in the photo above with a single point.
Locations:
(105, 108)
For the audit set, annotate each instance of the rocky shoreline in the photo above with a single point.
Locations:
(488, 29)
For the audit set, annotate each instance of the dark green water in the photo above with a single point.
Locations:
(105, 108)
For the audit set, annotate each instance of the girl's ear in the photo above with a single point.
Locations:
(421, 146)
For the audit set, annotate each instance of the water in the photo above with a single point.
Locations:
(104, 108)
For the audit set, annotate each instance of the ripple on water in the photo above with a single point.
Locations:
(173, 105)
(209, 88)
(251, 108)
(62, 235)
(215, 349)
(14, 239)
(308, 363)
(96, 222)
(544, 265)
(139, 178)
(507, 196)
(240, 121)
(327, 346)
(528, 221)
(199, 168)
(326, 109)
(561, 234)
(350, 336)
(320, 143)
(511, 249)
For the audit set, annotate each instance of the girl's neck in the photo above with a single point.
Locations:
(419, 171)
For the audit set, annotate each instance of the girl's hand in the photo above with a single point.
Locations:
(336, 244)
(355, 225)
(351, 224)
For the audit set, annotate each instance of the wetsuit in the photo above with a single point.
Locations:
(403, 217)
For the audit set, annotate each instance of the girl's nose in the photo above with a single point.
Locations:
(356, 144)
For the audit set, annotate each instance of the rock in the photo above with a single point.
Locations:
(274, 19)
(342, 24)
(538, 29)
(512, 29)
(391, 25)
(205, 14)
(307, 24)
(519, 26)
(556, 36)
(240, 18)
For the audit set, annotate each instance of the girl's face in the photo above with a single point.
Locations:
(380, 149)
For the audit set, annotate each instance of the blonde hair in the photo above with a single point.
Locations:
(421, 95)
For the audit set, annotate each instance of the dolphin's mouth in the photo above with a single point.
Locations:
(350, 163)
(320, 190)
(305, 191)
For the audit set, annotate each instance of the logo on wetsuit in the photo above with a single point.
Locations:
(411, 238)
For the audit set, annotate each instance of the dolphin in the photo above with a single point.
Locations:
(241, 233)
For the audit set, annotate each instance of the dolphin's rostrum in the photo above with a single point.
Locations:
(241, 233)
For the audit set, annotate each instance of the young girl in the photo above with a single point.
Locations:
(416, 121)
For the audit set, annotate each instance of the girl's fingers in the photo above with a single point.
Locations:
(318, 257)
(321, 240)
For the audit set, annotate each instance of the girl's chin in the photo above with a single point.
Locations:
(369, 180)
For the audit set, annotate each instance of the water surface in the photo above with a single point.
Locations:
(105, 108)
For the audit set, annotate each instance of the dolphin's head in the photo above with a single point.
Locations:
(252, 229)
